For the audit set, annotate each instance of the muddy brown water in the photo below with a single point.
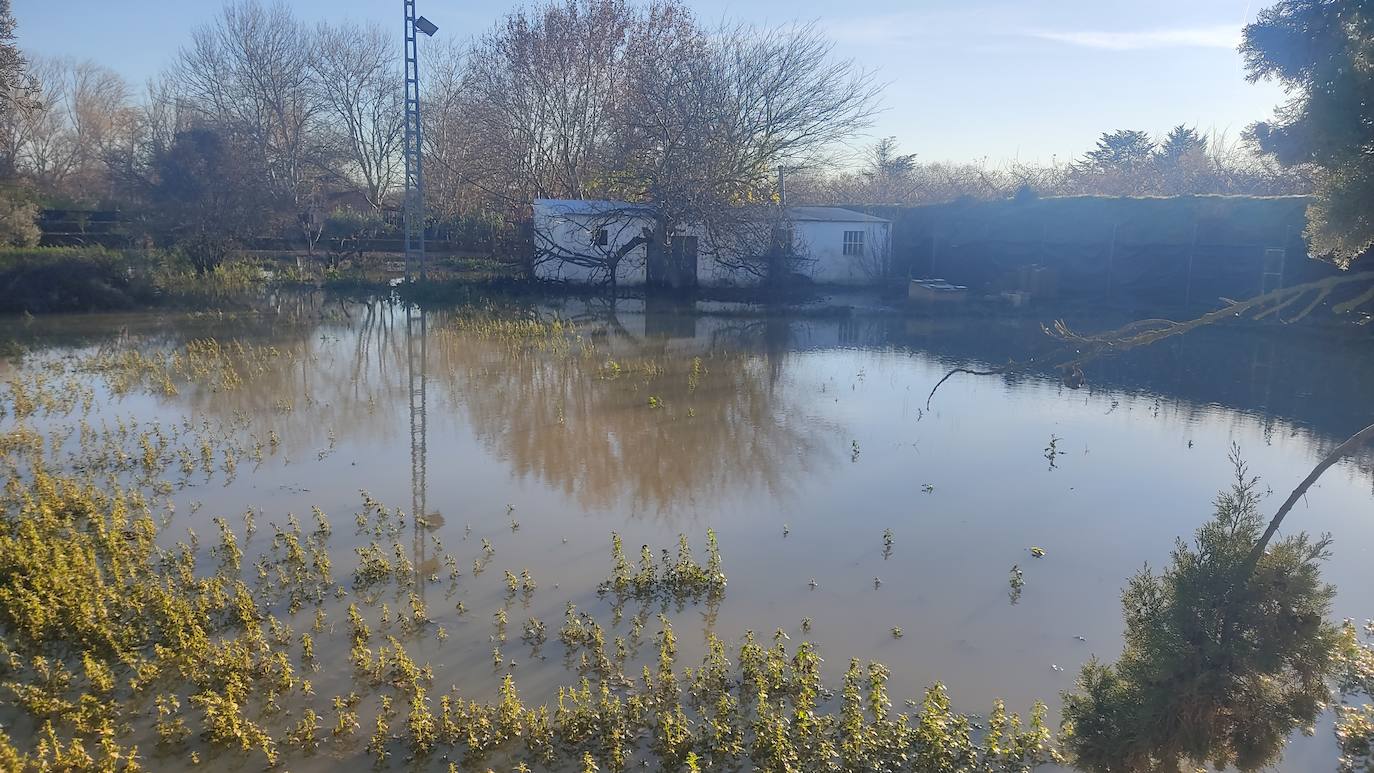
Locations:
(799, 440)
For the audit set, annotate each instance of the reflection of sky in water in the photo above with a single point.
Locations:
(817, 424)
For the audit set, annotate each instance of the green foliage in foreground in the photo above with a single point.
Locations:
(1216, 669)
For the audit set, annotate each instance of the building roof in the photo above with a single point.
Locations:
(831, 214)
(591, 207)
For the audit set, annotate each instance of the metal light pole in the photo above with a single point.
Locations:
(415, 187)
(416, 353)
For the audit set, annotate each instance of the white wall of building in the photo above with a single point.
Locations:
(823, 244)
(559, 228)
(573, 232)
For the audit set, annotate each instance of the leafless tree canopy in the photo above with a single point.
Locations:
(249, 73)
(450, 145)
(357, 82)
(540, 90)
(598, 98)
(81, 114)
(712, 117)
(603, 99)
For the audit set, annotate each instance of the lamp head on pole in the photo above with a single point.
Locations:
(426, 26)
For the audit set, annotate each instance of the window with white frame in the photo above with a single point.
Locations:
(853, 242)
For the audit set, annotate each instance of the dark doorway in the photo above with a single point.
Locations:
(675, 266)
(682, 262)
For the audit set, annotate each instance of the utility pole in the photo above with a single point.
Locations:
(415, 187)
(416, 338)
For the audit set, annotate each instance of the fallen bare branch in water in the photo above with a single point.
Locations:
(995, 371)
(1145, 332)
(1082, 348)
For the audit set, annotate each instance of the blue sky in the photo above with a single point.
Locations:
(1033, 80)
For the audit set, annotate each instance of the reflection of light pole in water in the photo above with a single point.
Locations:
(416, 374)
(415, 188)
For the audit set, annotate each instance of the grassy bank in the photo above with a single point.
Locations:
(47, 280)
(77, 279)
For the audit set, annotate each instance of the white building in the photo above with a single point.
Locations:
(582, 241)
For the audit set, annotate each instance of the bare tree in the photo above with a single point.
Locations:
(710, 118)
(154, 124)
(688, 127)
(357, 80)
(248, 73)
(451, 144)
(162, 115)
(542, 86)
(81, 113)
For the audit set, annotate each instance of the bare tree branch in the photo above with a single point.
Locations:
(1351, 445)
(1078, 349)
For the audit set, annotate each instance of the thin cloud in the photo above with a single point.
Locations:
(1219, 36)
(874, 29)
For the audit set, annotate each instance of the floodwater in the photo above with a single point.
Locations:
(800, 440)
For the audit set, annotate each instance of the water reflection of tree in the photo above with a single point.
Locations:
(718, 421)
(1221, 663)
(652, 421)
(343, 376)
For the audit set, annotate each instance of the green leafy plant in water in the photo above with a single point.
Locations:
(681, 579)
(534, 633)
(1016, 581)
(96, 614)
(1052, 452)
